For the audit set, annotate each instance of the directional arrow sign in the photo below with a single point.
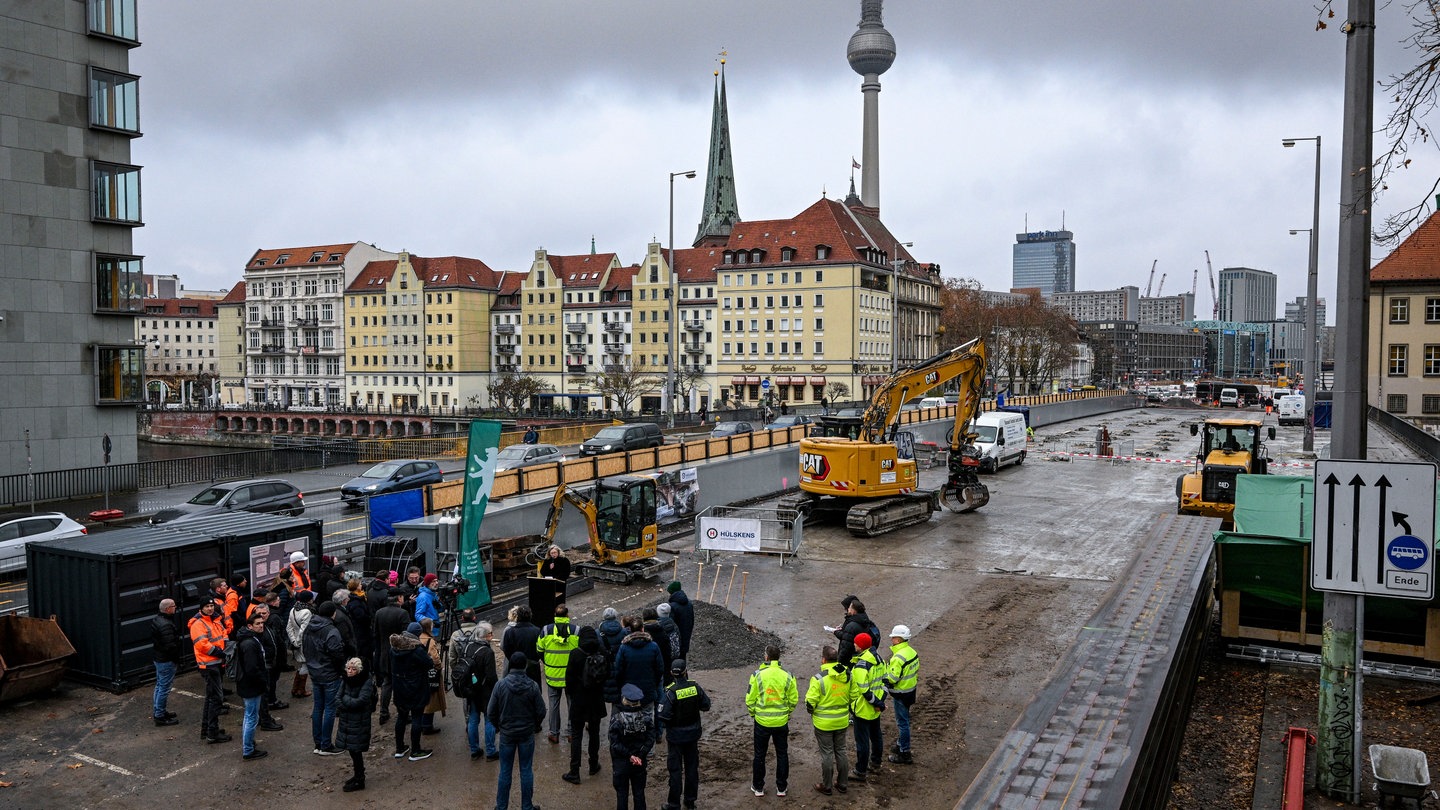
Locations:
(1374, 528)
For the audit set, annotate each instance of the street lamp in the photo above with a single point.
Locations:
(1312, 329)
(673, 350)
(896, 263)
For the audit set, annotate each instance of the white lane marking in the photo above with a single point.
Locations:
(178, 772)
(107, 766)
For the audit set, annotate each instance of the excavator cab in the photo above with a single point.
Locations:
(624, 511)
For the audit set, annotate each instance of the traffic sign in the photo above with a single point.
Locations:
(1374, 529)
(765, 384)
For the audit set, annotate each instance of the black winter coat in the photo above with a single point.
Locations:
(254, 668)
(522, 638)
(356, 703)
(377, 595)
(324, 651)
(854, 626)
(390, 620)
(641, 663)
(360, 621)
(662, 640)
(410, 671)
(347, 631)
(165, 638)
(632, 733)
(516, 708)
(684, 615)
(585, 702)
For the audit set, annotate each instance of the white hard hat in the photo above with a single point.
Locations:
(900, 631)
(297, 556)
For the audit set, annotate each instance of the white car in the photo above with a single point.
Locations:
(17, 530)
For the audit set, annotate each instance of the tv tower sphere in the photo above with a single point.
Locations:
(871, 50)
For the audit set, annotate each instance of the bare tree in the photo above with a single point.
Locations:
(512, 390)
(837, 391)
(687, 379)
(624, 384)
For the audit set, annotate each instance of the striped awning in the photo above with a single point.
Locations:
(817, 380)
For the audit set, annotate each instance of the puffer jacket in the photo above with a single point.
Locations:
(356, 703)
(324, 651)
(410, 672)
(612, 635)
(639, 662)
(684, 615)
(516, 708)
(254, 665)
(632, 733)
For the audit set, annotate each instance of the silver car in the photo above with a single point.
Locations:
(527, 455)
(17, 530)
(259, 495)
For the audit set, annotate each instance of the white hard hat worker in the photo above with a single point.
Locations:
(901, 632)
(297, 557)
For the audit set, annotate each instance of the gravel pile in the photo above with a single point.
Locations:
(723, 640)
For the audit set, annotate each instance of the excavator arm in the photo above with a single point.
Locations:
(563, 494)
(966, 361)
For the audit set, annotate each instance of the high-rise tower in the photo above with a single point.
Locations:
(871, 52)
(721, 211)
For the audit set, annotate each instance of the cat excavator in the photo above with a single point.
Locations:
(620, 519)
(863, 467)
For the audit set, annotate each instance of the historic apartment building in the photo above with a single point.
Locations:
(181, 341)
(1404, 335)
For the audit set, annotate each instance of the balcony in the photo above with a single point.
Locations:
(304, 322)
(503, 368)
(614, 368)
(694, 348)
(694, 326)
(576, 327)
(614, 348)
(272, 348)
(271, 323)
(576, 368)
(505, 329)
(504, 348)
(614, 326)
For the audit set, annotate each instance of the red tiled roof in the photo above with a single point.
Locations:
(510, 282)
(697, 265)
(373, 276)
(170, 307)
(621, 279)
(455, 271)
(827, 222)
(235, 296)
(298, 256)
(588, 269)
(1415, 259)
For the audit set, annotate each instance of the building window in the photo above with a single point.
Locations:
(119, 375)
(119, 286)
(1432, 310)
(1399, 360)
(1430, 403)
(114, 101)
(1432, 360)
(1395, 403)
(114, 18)
(1399, 310)
(822, 253)
(116, 193)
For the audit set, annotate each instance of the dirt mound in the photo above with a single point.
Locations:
(723, 640)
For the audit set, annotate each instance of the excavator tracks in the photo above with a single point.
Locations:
(874, 518)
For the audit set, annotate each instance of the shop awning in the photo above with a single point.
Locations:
(737, 380)
(780, 380)
(752, 380)
(817, 380)
(552, 395)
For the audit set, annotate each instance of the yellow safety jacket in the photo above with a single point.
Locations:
(773, 695)
(903, 671)
(866, 672)
(554, 648)
(828, 698)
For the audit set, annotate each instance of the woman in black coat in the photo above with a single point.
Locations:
(410, 673)
(356, 704)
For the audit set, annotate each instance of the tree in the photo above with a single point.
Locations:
(624, 384)
(512, 390)
(687, 379)
(837, 391)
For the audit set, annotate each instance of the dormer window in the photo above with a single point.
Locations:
(334, 257)
(757, 256)
(822, 252)
(729, 258)
(261, 262)
(741, 257)
(317, 255)
(787, 254)
(282, 258)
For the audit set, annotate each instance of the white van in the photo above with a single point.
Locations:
(1229, 398)
(1291, 409)
(1001, 439)
(933, 402)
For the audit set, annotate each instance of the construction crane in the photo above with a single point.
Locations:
(1215, 299)
(1152, 277)
(1159, 291)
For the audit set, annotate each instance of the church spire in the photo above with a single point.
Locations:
(721, 211)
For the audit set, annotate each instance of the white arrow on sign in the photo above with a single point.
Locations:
(1374, 528)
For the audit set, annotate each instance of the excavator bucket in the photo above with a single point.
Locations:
(964, 497)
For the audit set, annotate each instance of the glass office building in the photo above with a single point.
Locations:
(1044, 260)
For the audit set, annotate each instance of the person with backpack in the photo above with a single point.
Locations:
(684, 615)
(208, 637)
(672, 629)
(680, 706)
(587, 670)
(472, 677)
(632, 736)
(611, 633)
(554, 646)
(251, 672)
(866, 704)
(857, 621)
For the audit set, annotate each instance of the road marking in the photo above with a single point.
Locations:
(107, 766)
(178, 771)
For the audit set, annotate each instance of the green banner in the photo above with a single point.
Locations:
(479, 478)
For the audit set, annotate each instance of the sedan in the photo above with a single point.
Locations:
(17, 530)
(527, 455)
(788, 421)
(731, 429)
(391, 476)
(257, 495)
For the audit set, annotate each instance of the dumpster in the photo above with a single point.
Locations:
(32, 656)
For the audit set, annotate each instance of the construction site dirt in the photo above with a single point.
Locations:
(994, 599)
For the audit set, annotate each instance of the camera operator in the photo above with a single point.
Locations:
(427, 603)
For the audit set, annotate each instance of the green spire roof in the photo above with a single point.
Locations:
(721, 211)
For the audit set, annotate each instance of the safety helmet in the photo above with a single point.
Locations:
(297, 556)
(900, 631)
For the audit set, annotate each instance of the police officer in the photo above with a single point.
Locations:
(772, 697)
(902, 674)
(680, 706)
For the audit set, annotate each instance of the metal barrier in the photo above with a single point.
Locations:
(775, 531)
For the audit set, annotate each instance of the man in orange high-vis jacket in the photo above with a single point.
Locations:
(208, 635)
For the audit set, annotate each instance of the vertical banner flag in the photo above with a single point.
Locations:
(480, 462)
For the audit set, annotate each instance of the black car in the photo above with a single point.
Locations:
(391, 476)
(731, 429)
(258, 495)
(634, 436)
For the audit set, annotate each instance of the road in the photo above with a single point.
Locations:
(993, 597)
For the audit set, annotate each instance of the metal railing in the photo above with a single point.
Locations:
(1424, 444)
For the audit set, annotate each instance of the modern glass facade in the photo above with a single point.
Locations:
(1044, 260)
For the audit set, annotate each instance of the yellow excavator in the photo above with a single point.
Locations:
(857, 467)
(620, 518)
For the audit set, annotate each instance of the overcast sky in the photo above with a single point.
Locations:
(487, 129)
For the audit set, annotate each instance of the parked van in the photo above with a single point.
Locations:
(616, 438)
(1229, 398)
(1291, 409)
(1001, 439)
(933, 402)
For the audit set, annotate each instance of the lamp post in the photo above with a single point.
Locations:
(895, 264)
(1312, 305)
(673, 352)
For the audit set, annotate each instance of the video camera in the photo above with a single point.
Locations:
(450, 591)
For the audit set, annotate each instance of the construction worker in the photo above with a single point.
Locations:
(772, 697)
(225, 601)
(554, 646)
(867, 700)
(828, 701)
(902, 674)
(299, 577)
(208, 636)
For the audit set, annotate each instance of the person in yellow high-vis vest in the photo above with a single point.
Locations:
(772, 697)
(828, 700)
(902, 675)
(867, 701)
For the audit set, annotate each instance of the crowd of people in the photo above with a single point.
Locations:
(376, 646)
